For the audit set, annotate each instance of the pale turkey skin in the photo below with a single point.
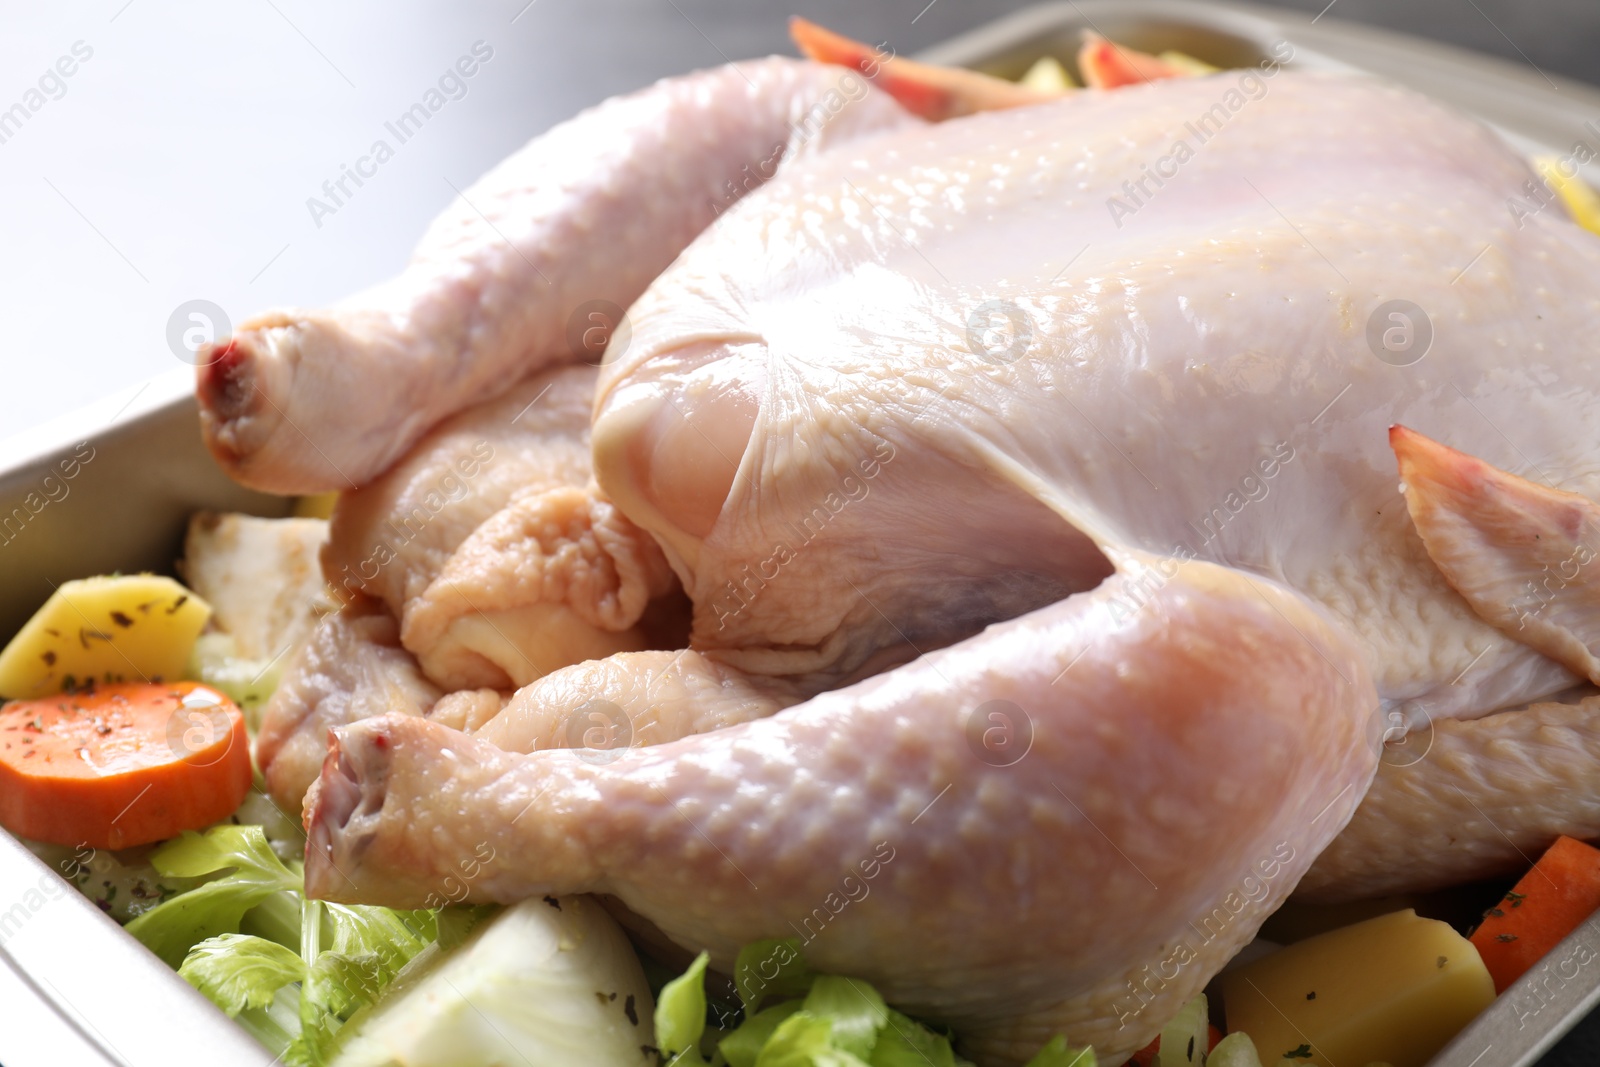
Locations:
(469, 619)
(487, 295)
(408, 538)
(1476, 798)
(1172, 357)
(351, 667)
(1081, 885)
(1202, 359)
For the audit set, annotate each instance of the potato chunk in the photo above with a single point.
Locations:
(1391, 989)
(126, 628)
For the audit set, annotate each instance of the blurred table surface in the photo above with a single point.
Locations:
(176, 162)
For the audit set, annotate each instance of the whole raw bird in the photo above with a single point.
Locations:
(1030, 477)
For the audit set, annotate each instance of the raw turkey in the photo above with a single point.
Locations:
(1029, 474)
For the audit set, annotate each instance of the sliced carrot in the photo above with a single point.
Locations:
(1105, 65)
(121, 765)
(1550, 902)
(1147, 1055)
(935, 93)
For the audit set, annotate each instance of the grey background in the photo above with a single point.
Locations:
(177, 163)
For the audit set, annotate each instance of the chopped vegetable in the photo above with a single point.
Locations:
(171, 929)
(838, 1022)
(1235, 1050)
(1148, 1055)
(854, 1011)
(237, 971)
(1187, 64)
(681, 1012)
(904, 1042)
(743, 1046)
(1056, 1053)
(368, 947)
(1188, 1034)
(252, 979)
(264, 582)
(1048, 75)
(770, 968)
(249, 682)
(936, 93)
(1551, 901)
(537, 984)
(1394, 988)
(804, 1039)
(136, 627)
(240, 939)
(1105, 65)
(1579, 198)
(122, 765)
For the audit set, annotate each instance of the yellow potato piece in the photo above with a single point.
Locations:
(1048, 76)
(1393, 989)
(1187, 63)
(133, 628)
(1579, 198)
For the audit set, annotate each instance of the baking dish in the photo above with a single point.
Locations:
(76, 989)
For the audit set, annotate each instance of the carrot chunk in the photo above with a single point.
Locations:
(1107, 65)
(936, 93)
(121, 765)
(1550, 902)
